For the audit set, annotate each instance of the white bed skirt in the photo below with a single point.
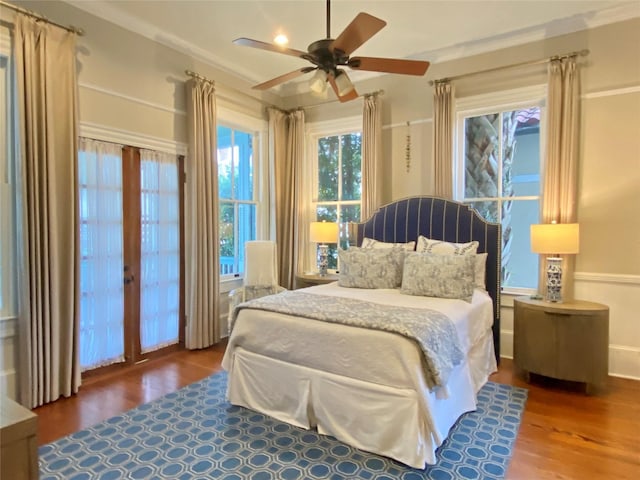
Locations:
(400, 423)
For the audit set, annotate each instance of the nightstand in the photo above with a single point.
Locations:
(18, 441)
(310, 279)
(567, 341)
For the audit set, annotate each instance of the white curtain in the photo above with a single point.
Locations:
(159, 250)
(202, 253)
(443, 139)
(46, 80)
(371, 155)
(101, 253)
(561, 162)
(286, 152)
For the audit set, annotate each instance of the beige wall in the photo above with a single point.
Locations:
(608, 266)
(609, 183)
(131, 83)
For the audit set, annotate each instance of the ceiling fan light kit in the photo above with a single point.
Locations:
(344, 84)
(318, 83)
(327, 55)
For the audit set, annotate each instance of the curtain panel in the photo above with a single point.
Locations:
(286, 152)
(443, 139)
(202, 283)
(45, 63)
(371, 154)
(561, 163)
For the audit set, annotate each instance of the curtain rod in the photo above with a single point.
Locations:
(212, 82)
(582, 53)
(364, 95)
(38, 16)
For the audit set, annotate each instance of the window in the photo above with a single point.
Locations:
(339, 185)
(237, 194)
(498, 173)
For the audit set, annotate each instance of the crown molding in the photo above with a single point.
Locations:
(107, 12)
(564, 26)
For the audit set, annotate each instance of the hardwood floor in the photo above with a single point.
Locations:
(564, 434)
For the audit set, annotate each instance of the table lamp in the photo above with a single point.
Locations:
(555, 239)
(323, 233)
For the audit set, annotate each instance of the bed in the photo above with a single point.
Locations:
(369, 387)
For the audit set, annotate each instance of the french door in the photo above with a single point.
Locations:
(131, 262)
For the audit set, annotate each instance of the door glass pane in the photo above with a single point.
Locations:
(101, 254)
(225, 162)
(350, 213)
(481, 151)
(351, 167)
(227, 238)
(519, 264)
(160, 250)
(243, 165)
(521, 175)
(328, 150)
(246, 231)
(487, 210)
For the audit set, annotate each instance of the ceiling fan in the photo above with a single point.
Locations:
(328, 55)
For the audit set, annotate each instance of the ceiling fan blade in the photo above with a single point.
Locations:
(248, 42)
(389, 65)
(361, 29)
(352, 95)
(283, 78)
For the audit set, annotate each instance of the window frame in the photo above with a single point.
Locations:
(316, 131)
(518, 98)
(8, 185)
(257, 128)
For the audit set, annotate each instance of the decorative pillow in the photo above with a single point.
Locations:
(371, 267)
(371, 243)
(444, 276)
(440, 247)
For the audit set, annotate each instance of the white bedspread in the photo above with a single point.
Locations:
(328, 374)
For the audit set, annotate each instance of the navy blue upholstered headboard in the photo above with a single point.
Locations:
(404, 220)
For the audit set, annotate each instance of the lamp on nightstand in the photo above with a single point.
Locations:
(555, 239)
(323, 233)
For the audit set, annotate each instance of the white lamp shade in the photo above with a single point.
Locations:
(555, 238)
(343, 83)
(323, 232)
(318, 83)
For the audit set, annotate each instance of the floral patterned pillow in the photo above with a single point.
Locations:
(371, 267)
(440, 247)
(371, 243)
(444, 276)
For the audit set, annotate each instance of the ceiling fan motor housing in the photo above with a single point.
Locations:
(321, 54)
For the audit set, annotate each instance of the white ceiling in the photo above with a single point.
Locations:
(433, 30)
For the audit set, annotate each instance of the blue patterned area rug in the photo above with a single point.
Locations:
(195, 433)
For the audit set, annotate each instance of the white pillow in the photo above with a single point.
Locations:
(371, 243)
(443, 276)
(440, 247)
